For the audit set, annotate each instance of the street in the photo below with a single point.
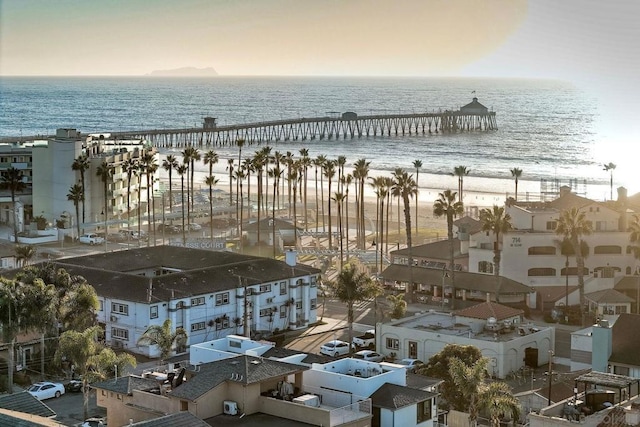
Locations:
(68, 408)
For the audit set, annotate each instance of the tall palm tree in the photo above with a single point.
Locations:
(610, 167)
(417, 164)
(13, 180)
(405, 186)
(347, 180)
(240, 176)
(278, 159)
(163, 337)
(139, 173)
(24, 254)
(573, 226)
(76, 195)
(516, 173)
(388, 183)
(189, 156)
(498, 222)
(329, 172)
(294, 178)
(182, 171)
(105, 172)
(130, 166)
(351, 287)
(341, 161)
(318, 163)
(339, 199)
(211, 181)
(305, 163)
(360, 173)
(460, 172)
(82, 164)
(210, 158)
(447, 206)
(149, 167)
(231, 173)
(276, 174)
(377, 183)
(239, 144)
(170, 163)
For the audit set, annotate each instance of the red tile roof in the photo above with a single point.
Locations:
(486, 310)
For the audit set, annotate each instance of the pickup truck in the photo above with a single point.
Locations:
(91, 239)
(367, 340)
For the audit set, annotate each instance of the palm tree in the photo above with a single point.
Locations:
(460, 172)
(91, 360)
(346, 183)
(105, 172)
(305, 163)
(211, 181)
(320, 162)
(516, 174)
(188, 160)
(497, 400)
(360, 173)
(163, 337)
(24, 254)
(240, 144)
(339, 199)
(417, 164)
(469, 381)
(405, 186)
(210, 158)
(447, 206)
(169, 164)
(149, 167)
(82, 164)
(230, 169)
(13, 180)
(352, 287)
(182, 171)
(573, 225)
(496, 221)
(276, 174)
(240, 176)
(130, 166)
(377, 183)
(610, 167)
(76, 195)
(329, 172)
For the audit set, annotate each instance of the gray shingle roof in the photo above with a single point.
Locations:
(14, 419)
(392, 396)
(241, 369)
(610, 296)
(25, 402)
(179, 419)
(280, 352)
(125, 385)
(625, 347)
(115, 274)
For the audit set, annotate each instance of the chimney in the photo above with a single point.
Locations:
(564, 190)
(601, 337)
(291, 258)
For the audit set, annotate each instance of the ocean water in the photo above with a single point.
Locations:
(546, 128)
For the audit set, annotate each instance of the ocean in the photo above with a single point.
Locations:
(547, 128)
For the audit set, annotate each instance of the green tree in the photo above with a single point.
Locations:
(516, 174)
(81, 164)
(496, 399)
(405, 186)
(24, 254)
(182, 171)
(498, 222)
(438, 367)
(417, 164)
(469, 380)
(91, 360)
(13, 180)
(76, 195)
(351, 287)
(398, 306)
(360, 173)
(170, 163)
(447, 206)
(460, 172)
(573, 226)
(164, 337)
(339, 199)
(610, 167)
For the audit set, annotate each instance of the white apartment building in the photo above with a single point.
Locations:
(208, 294)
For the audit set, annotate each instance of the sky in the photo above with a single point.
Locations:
(592, 43)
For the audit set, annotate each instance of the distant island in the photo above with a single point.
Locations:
(185, 72)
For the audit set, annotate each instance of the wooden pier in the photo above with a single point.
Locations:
(472, 117)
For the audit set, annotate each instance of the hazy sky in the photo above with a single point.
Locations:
(591, 42)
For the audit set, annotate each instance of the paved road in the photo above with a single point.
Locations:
(69, 408)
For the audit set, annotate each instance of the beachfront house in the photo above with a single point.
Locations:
(207, 293)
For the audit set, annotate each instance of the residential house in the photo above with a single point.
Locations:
(498, 331)
(24, 410)
(209, 294)
(285, 232)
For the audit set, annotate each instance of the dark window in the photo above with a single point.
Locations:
(393, 343)
(542, 250)
(542, 272)
(424, 411)
(607, 250)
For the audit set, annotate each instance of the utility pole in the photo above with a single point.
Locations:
(550, 376)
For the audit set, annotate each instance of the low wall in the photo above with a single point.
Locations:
(294, 411)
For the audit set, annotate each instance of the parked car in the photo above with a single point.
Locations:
(46, 390)
(133, 235)
(192, 226)
(368, 355)
(366, 340)
(335, 348)
(94, 422)
(411, 364)
(73, 386)
(91, 239)
(169, 228)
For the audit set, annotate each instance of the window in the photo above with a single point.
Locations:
(485, 267)
(283, 311)
(298, 305)
(267, 311)
(393, 343)
(121, 334)
(197, 301)
(413, 350)
(198, 326)
(542, 271)
(313, 281)
(542, 250)
(607, 250)
(424, 411)
(120, 308)
(153, 312)
(313, 303)
(283, 288)
(551, 225)
(101, 304)
(223, 324)
(265, 288)
(222, 299)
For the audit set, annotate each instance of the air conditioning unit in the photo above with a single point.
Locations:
(230, 407)
(270, 300)
(114, 319)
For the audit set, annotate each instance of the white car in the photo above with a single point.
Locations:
(91, 239)
(192, 226)
(411, 364)
(46, 390)
(335, 348)
(94, 422)
(368, 355)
